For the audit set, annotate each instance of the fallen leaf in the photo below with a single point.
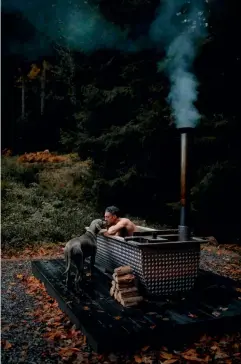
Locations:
(216, 313)
(19, 276)
(221, 355)
(165, 355)
(5, 328)
(145, 348)
(117, 317)
(86, 308)
(236, 347)
(6, 344)
(192, 315)
(138, 359)
(192, 358)
(147, 359)
(223, 308)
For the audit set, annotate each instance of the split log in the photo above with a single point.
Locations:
(127, 290)
(127, 278)
(122, 287)
(116, 296)
(120, 271)
(130, 304)
(128, 295)
(112, 291)
(127, 301)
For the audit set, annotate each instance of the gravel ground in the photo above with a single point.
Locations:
(17, 327)
(227, 264)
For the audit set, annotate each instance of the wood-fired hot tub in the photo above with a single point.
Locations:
(162, 264)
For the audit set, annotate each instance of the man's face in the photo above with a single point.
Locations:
(110, 219)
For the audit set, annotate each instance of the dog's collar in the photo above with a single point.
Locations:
(91, 232)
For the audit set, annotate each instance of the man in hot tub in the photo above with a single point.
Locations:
(116, 225)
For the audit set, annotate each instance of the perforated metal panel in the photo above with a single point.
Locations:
(160, 271)
(112, 253)
(170, 271)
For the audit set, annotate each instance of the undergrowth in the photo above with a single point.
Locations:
(42, 203)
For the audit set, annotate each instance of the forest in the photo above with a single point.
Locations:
(96, 89)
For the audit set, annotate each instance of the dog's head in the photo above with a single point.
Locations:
(96, 225)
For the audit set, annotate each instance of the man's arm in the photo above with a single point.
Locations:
(115, 228)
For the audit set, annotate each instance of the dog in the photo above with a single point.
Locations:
(80, 248)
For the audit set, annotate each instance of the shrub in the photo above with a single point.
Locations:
(12, 170)
(31, 216)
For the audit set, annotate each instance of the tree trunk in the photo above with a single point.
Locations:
(23, 98)
(42, 93)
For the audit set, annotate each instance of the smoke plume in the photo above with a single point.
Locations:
(179, 26)
(76, 24)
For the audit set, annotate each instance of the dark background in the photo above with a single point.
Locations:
(111, 106)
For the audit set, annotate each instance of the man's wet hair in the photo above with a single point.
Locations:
(113, 210)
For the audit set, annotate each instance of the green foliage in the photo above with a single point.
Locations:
(12, 170)
(44, 211)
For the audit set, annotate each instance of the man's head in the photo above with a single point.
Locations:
(112, 213)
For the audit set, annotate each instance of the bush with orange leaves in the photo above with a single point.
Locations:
(42, 157)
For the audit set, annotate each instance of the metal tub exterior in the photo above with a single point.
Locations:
(163, 268)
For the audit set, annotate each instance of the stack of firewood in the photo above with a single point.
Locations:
(124, 288)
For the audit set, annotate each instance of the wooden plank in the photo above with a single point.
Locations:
(110, 326)
(84, 313)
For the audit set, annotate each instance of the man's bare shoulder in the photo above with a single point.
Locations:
(126, 221)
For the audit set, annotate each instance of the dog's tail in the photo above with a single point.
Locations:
(67, 256)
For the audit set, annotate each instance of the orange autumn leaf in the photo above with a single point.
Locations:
(42, 157)
(138, 359)
(86, 308)
(192, 356)
(145, 348)
(19, 276)
(165, 355)
(6, 344)
(33, 72)
(117, 317)
(66, 351)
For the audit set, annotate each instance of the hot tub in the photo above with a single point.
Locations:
(162, 264)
